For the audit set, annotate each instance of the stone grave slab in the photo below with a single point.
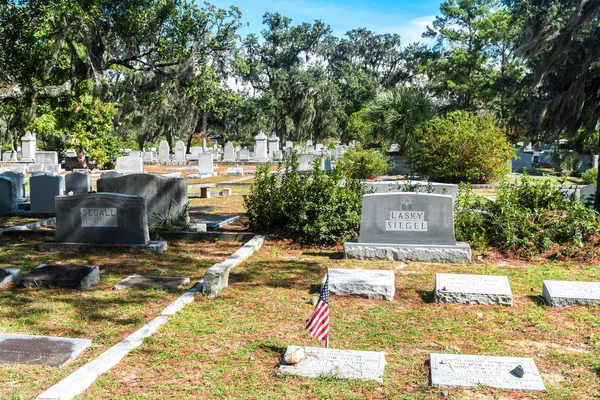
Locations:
(40, 350)
(53, 276)
(152, 282)
(472, 289)
(372, 284)
(344, 364)
(9, 275)
(571, 293)
(457, 370)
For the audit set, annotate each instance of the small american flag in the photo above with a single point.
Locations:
(318, 323)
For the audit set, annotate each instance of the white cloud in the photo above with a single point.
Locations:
(411, 31)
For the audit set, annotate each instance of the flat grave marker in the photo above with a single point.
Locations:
(40, 350)
(510, 373)
(52, 276)
(372, 284)
(344, 364)
(152, 282)
(571, 293)
(472, 289)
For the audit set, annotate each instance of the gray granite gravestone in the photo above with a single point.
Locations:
(9, 201)
(289, 146)
(194, 151)
(523, 161)
(235, 171)
(163, 151)
(229, 153)
(571, 293)
(472, 289)
(273, 145)
(102, 218)
(510, 373)
(78, 183)
(46, 157)
(205, 164)
(28, 147)
(43, 190)
(408, 226)
(244, 155)
(19, 178)
(152, 282)
(164, 195)
(342, 364)
(78, 277)
(372, 284)
(10, 275)
(129, 165)
(305, 162)
(179, 152)
(40, 350)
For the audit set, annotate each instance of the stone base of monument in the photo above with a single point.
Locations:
(51, 276)
(152, 247)
(41, 350)
(342, 364)
(569, 293)
(152, 282)
(372, 284)
(201, 176)
(510, 373)
(456, 254)
(9, 275)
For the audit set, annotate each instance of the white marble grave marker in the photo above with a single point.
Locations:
(569, 293)
(372, 284)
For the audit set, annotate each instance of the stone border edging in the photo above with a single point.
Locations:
(30, 225)
(82, 378)
(216, 278)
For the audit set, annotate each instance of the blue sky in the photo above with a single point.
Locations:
(408, 18)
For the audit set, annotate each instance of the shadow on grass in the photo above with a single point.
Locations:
(538, 300)
(333, 255)
(426, 295)
(290, 274)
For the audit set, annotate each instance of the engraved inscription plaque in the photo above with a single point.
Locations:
(99, 217)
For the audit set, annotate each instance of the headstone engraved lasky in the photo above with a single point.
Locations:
(511, 373)
(408, 226)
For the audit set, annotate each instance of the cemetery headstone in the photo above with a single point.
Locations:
(342, 364)
(273, 145)
(163, 151)
(235, 171)
(152, 282)
(244, 155)
(19, 178)
(40, 350)
(148, 156)
(229, 154)
(28, 147)
(43, 189)
(205, 164)
(372, 284)
(194, 151)
(164, 195)
(54, 168)
(110, 174)
(571, 293)
(523, 161)
(49, 276)
(226, 192)
(413, 187)
(179, 152)
(289, 146)
(408, 226)
(260, 150)
(9, 276)
(510, 373)
(305, 162)
(46, 157)
(129, 165)
(78, 183)
(22, 168)
(9, 199)
(472, 289)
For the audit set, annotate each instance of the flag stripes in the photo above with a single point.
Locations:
(318, 323)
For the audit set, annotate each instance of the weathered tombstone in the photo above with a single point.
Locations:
(305, 162)
(129, 165)
(179, 152)
(408, 226)
(106, 218)
(54, 168)
(289, 146)
(9, 156)
(273, 145)
(46, 157)
(163, 151)
(205, 164)
(229, 154)
(523, 161)
(277, 155)
(571, 293)
(10, 276)
(40, 350)
(19, 178)
(43, 190)
(510, 373)
(78, 183)
(343, 364)
(110, 174)
(9, 199)
(164, 195)
(413, 187)
(22, 168)
(28, 147)
(148, 156)
(234, 171)
(152, 282)
(472, 289)
(244, 155)
(194, 151)
(48, 276)
(226, 192)
(318, 147)
(260, 150)
(372, 284)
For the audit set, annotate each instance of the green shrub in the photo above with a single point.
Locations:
(170, 221)
(528, 218)
(565, 161)
(358, 163)
(461, 147)
(589, 176)
(315, 207)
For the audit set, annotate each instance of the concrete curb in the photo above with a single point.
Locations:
(216, 278)
(81, 379)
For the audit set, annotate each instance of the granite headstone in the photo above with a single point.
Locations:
(472, 289)
(43, 190)
(571, 293)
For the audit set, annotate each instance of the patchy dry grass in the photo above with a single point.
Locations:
(230, 347)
